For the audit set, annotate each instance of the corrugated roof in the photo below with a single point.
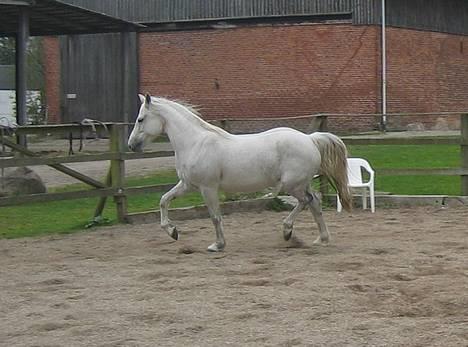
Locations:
(52, 17)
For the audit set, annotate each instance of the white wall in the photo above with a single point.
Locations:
(7, 103)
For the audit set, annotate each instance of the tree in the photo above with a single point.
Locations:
(35, 71)
(7, 51)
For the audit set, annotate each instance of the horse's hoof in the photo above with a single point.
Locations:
(172, 232)
(287, 232)
(215, 247)
(321, 242)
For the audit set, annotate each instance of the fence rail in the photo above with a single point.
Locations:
(114, 184)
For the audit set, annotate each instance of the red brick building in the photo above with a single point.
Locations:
(274, 61)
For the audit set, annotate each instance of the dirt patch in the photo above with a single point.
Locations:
(396, 278)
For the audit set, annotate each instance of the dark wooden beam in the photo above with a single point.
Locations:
(22, 38)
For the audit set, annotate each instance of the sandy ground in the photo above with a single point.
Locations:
(396, 278)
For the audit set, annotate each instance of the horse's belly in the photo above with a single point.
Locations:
(247, 180)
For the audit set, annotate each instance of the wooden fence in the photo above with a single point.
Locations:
(114, 184)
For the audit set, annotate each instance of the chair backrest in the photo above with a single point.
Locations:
(354, 170)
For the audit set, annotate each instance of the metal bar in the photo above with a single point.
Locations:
(22, 37)
(384, 68)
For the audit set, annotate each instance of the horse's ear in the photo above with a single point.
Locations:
(148, 99)
(142, 98)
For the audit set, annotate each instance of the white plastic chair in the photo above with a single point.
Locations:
(356, 182)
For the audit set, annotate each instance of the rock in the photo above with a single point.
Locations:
(20, 182)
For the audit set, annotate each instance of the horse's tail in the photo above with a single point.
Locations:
(334, 164)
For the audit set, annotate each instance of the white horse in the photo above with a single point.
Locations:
(211, 159)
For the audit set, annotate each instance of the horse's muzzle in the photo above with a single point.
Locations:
(136, 147)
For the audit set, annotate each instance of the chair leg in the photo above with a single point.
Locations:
(364, 199)
(372, 198)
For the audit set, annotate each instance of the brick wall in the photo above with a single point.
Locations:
(267, 71)
(52, 78)
(427, 72)
(298, 70)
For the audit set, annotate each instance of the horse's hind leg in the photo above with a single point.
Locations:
(288, 222)
(178, 190)
(316, 208)
(210, 196)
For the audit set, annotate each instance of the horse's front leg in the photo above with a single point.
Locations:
(179, 189)
(210, 195)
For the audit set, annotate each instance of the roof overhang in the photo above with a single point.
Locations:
(52, 17)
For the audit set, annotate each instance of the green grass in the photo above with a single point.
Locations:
(72, 216)
(412, 156)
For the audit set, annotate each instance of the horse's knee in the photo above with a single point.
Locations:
(217, 220)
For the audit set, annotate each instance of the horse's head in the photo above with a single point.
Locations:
(149, 124)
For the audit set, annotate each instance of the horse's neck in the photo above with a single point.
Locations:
(183, 132)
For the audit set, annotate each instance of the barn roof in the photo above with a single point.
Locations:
(53, 17)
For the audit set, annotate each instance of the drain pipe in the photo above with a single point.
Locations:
(384, 70)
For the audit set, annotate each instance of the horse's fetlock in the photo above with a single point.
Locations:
(217, 220)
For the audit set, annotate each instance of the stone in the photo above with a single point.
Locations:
(21, 181)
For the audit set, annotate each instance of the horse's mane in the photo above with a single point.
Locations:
(194, 113)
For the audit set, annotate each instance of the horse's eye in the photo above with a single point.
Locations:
(139, 120)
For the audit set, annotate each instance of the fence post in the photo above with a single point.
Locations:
(464, 152)
(118, 145)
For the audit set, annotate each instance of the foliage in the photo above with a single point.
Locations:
(35, 104)
(277, 205)
(36, 110)
(7, 51)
